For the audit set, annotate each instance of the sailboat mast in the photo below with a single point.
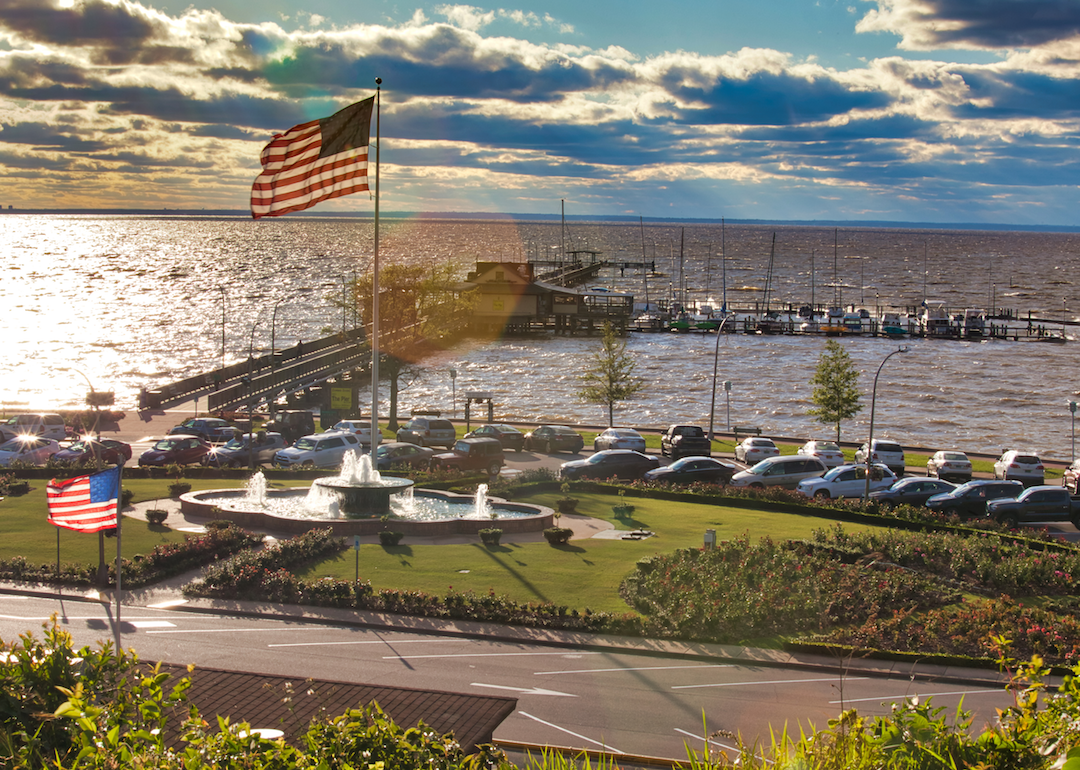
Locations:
(723, 253)
(768, 275)
(644, 267)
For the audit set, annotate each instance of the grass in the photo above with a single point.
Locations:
(584, 574)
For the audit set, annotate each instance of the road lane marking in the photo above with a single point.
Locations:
(524, 690)
(488, 655)
(384, 642)
(601, 744)
(636, 668)
(718, 743)
(919, 695)
(773, 681)
(150, 623)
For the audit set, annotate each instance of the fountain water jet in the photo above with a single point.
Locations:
(360, 490)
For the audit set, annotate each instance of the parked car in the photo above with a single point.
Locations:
(292, 424)
(510, 437)
(87, 451)
(687, 470)
(828, 452)
(239, 452)
(610, 463)
(969, 500)
(44, 424)
(359, 428)
(683, 441)
(1070, 477)
(32, 450)
(402, 454)
(784, 472)
(554, 438)
(951, 466)
(319, 450)
(175, 450)
(212, 429)
(619, 438)
(1037, 503)
(1025, 467)
(888, 453)
(913, 490)
(847, 481)
(428, 431)
(754, 449)
(472, 454)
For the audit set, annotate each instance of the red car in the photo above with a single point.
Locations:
(87, 450)
(178, 450)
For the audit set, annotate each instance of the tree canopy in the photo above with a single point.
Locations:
(836, 387)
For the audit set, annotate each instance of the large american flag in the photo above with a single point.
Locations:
(313, 162)
(86, 503)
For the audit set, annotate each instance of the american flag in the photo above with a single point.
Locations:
(313, 162)
(86, 503)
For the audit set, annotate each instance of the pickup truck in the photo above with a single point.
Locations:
(1039, 503)
(685, 441)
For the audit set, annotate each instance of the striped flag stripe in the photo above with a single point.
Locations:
(313, 162)
(85, 503)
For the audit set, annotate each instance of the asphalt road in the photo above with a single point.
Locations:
(637, 704)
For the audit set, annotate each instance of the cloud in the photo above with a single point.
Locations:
(974, 24)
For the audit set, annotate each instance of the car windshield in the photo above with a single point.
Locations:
(562, 431)
(827, 446)
(166, 443)
(761, 467)
(831, 475)
(954, 456)
(1026, 459)
(305, 443)
(235, 443)
(883, 446)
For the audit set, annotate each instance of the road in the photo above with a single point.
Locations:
(637, 704)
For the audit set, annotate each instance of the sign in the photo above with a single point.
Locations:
(100, 398)
(341, 398)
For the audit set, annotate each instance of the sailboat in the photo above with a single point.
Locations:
(770, 322)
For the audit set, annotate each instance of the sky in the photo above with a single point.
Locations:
(943, 111)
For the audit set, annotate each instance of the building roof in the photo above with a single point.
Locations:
(290, 703)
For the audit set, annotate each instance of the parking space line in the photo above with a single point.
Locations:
(601, 744)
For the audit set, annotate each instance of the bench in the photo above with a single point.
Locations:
(745, 432)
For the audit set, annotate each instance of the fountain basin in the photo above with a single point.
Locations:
(230, 505)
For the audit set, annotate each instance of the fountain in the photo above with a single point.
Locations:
(360, 489)
(357, 500)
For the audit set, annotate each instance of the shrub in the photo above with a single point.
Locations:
(558, 535)
(178, 488)
(156, 516)
(388, 538)
(126, 496)
(490, 536)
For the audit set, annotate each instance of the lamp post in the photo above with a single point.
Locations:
(715, 367)
(873, 403)
(1072, 411)
(453, 386)
(273, 352)
(222, 290)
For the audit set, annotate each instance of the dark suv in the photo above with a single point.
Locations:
(969, 500)
(428, 431)
(472, 454)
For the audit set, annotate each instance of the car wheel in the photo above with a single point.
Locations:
(1076, 521)
(308, 465)
(1011, 521)
(494, 468)
(822, 494)
(757, 485)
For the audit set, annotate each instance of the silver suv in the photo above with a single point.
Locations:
(428, 431)
(887, 453)
(320, 450)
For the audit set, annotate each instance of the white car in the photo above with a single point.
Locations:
(1025, 467)
(885, 452)
(619, 438)
(320, 450)
(46, 425)
(359, 428)
(32, 450)
(827, 451)
(951, 466)
(847, 481)
(753, 450)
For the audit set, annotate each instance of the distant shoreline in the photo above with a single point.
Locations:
(487, 216)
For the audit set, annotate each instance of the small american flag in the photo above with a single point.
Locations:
(86, 503)
(313, 162)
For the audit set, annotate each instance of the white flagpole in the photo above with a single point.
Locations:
(119, 518)
(375, 292)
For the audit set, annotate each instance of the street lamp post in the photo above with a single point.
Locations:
(873, 404)
(1072, 411)
(715, 367)
(453, 386)
(273, 351)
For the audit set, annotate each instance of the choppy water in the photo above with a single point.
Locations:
(132, 302)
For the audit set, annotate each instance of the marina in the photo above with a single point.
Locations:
(133, 303)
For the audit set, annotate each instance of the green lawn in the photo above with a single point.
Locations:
(585, 574)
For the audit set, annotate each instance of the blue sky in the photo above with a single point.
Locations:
(900, 110)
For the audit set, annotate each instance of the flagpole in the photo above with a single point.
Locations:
(375, 290)
(119, 519)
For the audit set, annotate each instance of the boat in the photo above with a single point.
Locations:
(834, 322)
(934, 321)
(891, 326)
(974, 324)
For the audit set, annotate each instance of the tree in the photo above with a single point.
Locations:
(611, 378)
(419, 314)
(836, 393)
